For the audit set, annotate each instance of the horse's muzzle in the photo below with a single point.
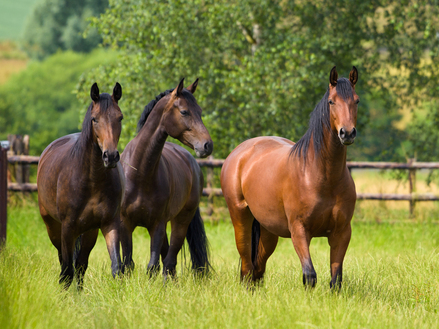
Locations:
(347, 137)
(205, 151)
(111, 158)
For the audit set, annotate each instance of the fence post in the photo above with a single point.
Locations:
(412, 187)
(4, 146)
(19, 145)
(209, 184)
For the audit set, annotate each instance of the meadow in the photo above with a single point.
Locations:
(390, 278)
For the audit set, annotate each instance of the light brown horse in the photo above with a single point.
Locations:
(296, 191)
(80, 186)
(164, 182)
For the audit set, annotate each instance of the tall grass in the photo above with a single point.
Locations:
(390, 280)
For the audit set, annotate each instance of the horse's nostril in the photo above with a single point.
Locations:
(105, 155)
(342, 133)
(354, 133)
(117, 157)
(208, 146)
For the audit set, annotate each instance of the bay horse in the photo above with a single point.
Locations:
(164, 182)
(276, 188)
(80, 184)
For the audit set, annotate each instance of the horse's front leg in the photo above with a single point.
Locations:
(339, 242)
(67, 245)
(111, 234)
(126, 239)
(158, 236)
(301, 240)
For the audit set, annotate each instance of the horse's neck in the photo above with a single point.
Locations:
(331, 159)
(150, 142)
(90, 161)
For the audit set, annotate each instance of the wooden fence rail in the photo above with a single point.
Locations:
(210, 191)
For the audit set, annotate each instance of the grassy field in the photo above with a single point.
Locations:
(390, 271)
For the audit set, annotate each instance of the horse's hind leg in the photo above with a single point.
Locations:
(242, 220)
(179, 227)
(158, 236)
(339, 244)
(301, 240)
(266, 247)
(87, 242)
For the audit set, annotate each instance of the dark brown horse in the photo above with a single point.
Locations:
(80, 185)
(296, 191)
(164, 182)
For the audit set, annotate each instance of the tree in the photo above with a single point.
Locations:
(264, 65)
(59, 25)
(39, 100)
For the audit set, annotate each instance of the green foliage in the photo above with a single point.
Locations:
(39, 101)
(264, 65)
(60, 25)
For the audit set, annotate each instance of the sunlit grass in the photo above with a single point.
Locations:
(390, 280)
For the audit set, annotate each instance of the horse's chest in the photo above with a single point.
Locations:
(322, 215)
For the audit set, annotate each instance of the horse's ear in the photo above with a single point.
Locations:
(94, 93)
(177, 91)
(193, 86)
(333, 77)
(353, 76)
(117, 92)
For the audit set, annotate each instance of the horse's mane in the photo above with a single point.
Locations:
(148, 108)
(105, 101)
(319, 120)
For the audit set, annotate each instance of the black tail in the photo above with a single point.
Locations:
(77, 249)
(198, 245)
(256, 234)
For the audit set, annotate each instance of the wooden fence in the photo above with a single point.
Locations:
(210, 191)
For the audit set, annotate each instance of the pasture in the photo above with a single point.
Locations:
(391, 280)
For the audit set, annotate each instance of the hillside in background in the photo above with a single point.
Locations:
(13, 16)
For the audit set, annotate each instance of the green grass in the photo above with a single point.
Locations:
(13, 16)
(390, 281)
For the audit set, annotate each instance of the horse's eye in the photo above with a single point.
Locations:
(184, 113)
(93, 119)
(357, 101)
(331, 102)
(121, 118)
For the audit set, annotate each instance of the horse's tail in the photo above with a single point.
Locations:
(77, 248)
(256, 234)
(198, 245)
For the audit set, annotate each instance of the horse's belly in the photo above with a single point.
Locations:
(270, 215)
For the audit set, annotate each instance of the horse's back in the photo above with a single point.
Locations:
(271, 148)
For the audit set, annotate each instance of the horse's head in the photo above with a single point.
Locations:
(182, 120)
(343, 105)
(106, 118)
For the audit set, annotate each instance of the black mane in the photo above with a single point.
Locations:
(148, 108)
(319, 120)
(105, 101)
(187, 95)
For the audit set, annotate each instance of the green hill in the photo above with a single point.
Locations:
(13, 15)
